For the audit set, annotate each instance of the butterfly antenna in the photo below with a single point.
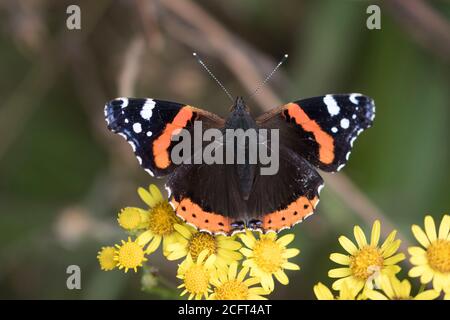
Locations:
(269, 76)
(212, 75)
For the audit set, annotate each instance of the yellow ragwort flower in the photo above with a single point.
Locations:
(395, 290)
(196, 275)
(160, 223)
(129, 255)
(366, 261)
(230, 285)
(131, 218)
(193, 242)
(433, 262)
(267, 257)
(345, 293)
(106, 258)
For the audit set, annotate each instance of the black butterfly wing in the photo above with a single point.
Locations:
(322, 129)
(149, 125)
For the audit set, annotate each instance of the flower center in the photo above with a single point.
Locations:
(201, 241)
(232, 290)
(268, 255)
(438, 254)
(196, 279)
(367, 261)
(162, 218)
(130, 255)
(106, 258)
(129, 218)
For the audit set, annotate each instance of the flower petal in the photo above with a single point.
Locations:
(430, 228)
(427, 295)
(340, 258)
(153, 246)
(348, 245)
(248, 239)
(286, 239)
(339, 272)
(183, 230)
(290, 266)
(444, 228)
(282, 277)
(290, 253)
(146, 197)
(375, 235)
(232, 271)
(322, 292)
(360, 237)
(416, 251)
(420, 236)
(375, 295)
(144, 238)
(394, 259)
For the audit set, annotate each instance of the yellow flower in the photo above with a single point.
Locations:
(197, 275)
(193, 242)
(229, 285)
(267, 257)
(367, 261)
(132, 218)
(323, 293)
(433, 263)
(129, 255)
(161, 221)
(395, 290)
(106, 258)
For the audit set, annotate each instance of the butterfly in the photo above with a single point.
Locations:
(314, 133)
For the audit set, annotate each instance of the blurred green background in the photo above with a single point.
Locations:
(64, 177)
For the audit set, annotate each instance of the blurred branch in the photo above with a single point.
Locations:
(130, 69)
(224, 45)
(424, 24)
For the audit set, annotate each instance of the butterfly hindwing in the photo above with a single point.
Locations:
(149, 125)
(208, 196)
(322, 129)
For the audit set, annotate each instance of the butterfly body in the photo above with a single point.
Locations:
(228, 197)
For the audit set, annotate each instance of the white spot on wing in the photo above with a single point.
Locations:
(334, 130)
(169, 192)
(149, 133)
(319, 189)
(147, 108)
(340, 167)
(332, 106)
(139, 159)
(124, 102)
(354, 116)
(137, 127)
(149, 172)
(353, 97)
(345, 123)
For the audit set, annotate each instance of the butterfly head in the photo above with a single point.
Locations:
(239, 106)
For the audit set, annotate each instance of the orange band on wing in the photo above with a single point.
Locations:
(193, 214)
(325, 141)
(296, 212)
(162, 143)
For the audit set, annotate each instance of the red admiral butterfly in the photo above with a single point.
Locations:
(314, 133)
